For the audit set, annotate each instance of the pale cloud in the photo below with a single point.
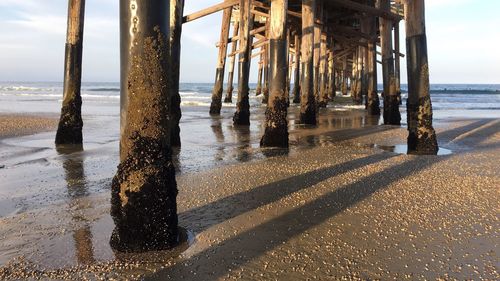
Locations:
(462, 41)
(24, 4)
(41, 23)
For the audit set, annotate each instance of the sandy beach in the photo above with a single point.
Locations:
(12, 125)
(337, 205)
(249, 140)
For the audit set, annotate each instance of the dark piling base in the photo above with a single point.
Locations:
(276, 132)
(373, 104)
(143, 202)
(308, 115)
(392, 116)
(70, 126)
(426, 144)
(296, 94)
(265, 98)
(322, 104)
(258, 91)
(242, 114)
(215, 107)
(216, 104)
(422, 136)
(229, 95)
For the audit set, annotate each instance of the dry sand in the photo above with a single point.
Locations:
(12, 125)
(333, 207)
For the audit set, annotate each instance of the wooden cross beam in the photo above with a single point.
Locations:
(209, 10)
(254, 32)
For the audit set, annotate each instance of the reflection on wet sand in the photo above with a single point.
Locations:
(248, 226)
(73, 165)
(242, 133)
(372, 120)
(216, 126)
(334, 128)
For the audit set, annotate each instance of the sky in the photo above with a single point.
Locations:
(463, 40)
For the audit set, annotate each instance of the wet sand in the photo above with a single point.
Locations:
(334, 206)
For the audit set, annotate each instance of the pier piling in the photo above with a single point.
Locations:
(421, 137)
(397, 61)
(331, 73)
(276, 131)
(176, 13)
(323, 63)
(307, 95)
(373, 102)
(296, 70)
(258, 89)
(230, 77)
(265, 72)
(216, 104)
(70, 126)
(144, 190)
(242, 114)
(391, 102)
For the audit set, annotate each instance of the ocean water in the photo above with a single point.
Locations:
(192, 94)
(26, 97)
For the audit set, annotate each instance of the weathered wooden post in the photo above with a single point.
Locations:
(176, 13)
(356, 77)
(317, 47)
(258, 90)
(144, 190)
(338, 77)
(353, 76)
(361, 92)
(234, 46)
(307, 96)
(364, 80)
(276, 132)
(373, 103)
(397, 61)
(70, 126)
(391, 103)
(422, 137)
(289, 76)
(296, 71)
(265, 70)
(369, 26)
(289, 64)
(216, 104)
(323, 62)
(331, 71)
(344, 76)
(242, 114)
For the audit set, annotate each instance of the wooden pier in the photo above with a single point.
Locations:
(324, 45)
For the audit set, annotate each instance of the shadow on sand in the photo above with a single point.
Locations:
(241, 249)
